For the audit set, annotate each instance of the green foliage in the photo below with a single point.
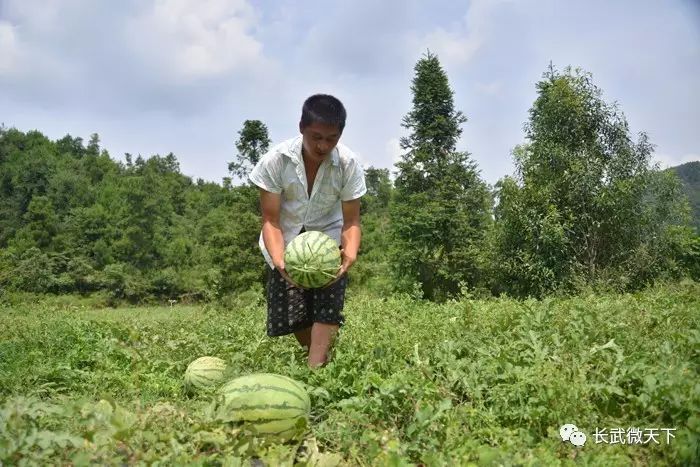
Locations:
(689, 174)
(252, 143)
(372, 273)
(440, 213)
(585, 207)
(73, 220)
(479, 381)
(379, 189)
(529, 243)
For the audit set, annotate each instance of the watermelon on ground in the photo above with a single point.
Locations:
(204, 373)
(268, 404)
(312, 259)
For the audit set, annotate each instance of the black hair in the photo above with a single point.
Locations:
(323, 108)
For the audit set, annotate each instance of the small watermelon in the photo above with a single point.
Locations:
(312, 259)
(267, 404)
(205, 372)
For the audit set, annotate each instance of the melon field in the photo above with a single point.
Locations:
(464, 383)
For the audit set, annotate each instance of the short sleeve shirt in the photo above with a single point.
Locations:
(340, 178)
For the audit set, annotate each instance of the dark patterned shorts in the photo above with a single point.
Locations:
(291, 309)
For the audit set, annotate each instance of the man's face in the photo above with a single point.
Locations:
(319, 140)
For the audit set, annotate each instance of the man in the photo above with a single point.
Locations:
(307, 183)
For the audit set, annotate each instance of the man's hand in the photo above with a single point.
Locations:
(279, 265)
(350, 238)
(347, 261)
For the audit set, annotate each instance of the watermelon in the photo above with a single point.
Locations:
(204, 372)
(312, 259)
(269, 405)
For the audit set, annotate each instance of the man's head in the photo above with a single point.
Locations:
(322, 123)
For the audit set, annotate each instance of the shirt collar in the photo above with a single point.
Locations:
(294, 152)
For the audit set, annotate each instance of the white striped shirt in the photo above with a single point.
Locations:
(339, 178)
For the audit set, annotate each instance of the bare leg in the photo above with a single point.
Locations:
(321, 340)
(304, 338)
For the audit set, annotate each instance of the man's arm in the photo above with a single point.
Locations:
(351, 233)
(272, 232)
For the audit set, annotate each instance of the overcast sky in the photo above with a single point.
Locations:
(181, 76)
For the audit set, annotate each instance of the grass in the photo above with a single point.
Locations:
(471, 382)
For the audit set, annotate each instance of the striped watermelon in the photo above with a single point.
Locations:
(205, 372)
(265, 403)
(312, 259)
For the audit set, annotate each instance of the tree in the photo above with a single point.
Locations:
(441, 210)
(252, 143)
(585, 203)
(41, 224)
(378, 190)
(71, 146)
(93, 148)
(689, 174)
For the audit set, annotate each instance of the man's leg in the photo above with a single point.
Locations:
(328, 305)
(304, 338)
(322, 336)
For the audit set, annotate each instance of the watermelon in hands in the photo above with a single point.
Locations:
(312, 259)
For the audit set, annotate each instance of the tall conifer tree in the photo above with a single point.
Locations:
(442, 208)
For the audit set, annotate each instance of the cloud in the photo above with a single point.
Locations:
(452, 47)
(8, 48)
(39, 14)
(184, 40)
(361, 38)
(458, 45)
(393, 151)
(173, 56)
(26, 49)
(493, 88)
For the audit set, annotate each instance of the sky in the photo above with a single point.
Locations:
(181, 76)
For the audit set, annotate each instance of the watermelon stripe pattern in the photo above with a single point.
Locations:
(267, 404)
(204, 372)
(260, 387)
(283, 409)
(312, 259)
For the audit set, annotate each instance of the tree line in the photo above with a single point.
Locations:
(585, 208)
